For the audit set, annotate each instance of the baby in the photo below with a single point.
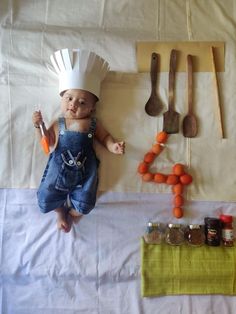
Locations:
(71, 174)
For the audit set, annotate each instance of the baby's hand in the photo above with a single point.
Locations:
(119, 148)
(37, 118)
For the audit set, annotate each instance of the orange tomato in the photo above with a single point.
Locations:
(147, 177)
(178, 200)
(178, 169)
(149, 157)
(142, 168)
(162, 137)
(172, 179)
(160, 178)
(178, 189)
(186, 179)
(178, 212)
(157, 148)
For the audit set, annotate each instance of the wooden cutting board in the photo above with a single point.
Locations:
(200, 51)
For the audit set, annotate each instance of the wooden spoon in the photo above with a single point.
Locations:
(154, 105)
(171, 117)
(190, 121)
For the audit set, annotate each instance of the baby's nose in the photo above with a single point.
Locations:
(73, 104)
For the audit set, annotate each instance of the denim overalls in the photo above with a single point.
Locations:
(72, 170)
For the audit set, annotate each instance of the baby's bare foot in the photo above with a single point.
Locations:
(74, 213)
(63, 221)
(76, 216)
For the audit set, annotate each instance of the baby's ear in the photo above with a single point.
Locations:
(94, 107)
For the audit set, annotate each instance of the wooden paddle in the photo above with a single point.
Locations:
(190, 120)
(171, 117)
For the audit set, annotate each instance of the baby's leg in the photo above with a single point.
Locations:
(63, 221)
(72, 211)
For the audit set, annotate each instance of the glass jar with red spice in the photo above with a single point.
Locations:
(227, 230)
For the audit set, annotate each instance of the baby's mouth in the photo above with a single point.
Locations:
(71, 110)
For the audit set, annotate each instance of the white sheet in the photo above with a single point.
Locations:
(96, 267)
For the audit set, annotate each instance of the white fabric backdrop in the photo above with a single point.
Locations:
(31, 32)
(96, 268)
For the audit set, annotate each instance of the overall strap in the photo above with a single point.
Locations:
(93, 125)
(61, 124)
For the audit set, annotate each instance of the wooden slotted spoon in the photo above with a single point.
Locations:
(190, 121)
(171, 117)
(154, 105)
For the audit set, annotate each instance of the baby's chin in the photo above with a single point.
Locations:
(70, 115)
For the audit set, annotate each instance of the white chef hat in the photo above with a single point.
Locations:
(79, 69)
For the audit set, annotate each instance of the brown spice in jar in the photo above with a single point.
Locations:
(174, 234)
(195, 235)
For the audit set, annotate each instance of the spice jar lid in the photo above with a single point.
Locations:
(226, 218)
(211, 220)
(194, 226)
(174, 225)
(153, 224)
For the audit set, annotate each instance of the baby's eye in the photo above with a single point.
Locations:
(68, 98)
(81, 102)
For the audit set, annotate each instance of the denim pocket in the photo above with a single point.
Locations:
(68, 177)
(71, 172)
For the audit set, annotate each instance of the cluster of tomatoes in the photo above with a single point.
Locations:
(177, 179)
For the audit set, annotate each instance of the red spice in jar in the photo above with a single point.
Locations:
(227, 230)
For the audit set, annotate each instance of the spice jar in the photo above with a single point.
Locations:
(212, 231)
(227, 232)
(195, 235)
(153, 233)
(174, 234)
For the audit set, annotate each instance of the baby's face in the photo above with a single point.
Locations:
(77, 104)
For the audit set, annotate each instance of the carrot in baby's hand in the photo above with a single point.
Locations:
(44, 141)
(45, 144)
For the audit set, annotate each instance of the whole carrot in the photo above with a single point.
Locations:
(44, 141)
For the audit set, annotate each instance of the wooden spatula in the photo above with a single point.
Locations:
(171, 117)
(190, 120)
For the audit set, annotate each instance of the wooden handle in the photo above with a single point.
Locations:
(190, 83)
(173, 57)
(218, 104)
(153, 71)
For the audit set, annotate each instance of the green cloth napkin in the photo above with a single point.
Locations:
(172, 270)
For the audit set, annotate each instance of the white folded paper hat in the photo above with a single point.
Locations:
(79, 69)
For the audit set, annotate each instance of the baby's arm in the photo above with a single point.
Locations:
(37, 119)
(108, 141)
